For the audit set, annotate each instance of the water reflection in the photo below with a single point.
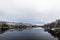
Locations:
(2, 30)
(54, 33)
(27, 33)
(17, 35)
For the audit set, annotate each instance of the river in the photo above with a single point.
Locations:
(36, 33)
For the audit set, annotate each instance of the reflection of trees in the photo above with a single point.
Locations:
(17, 28)
(54, 33)
(2, 30)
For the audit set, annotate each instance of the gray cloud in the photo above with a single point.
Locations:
(30, 11)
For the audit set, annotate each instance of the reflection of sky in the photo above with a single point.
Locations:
(30, 11)
(34, 33)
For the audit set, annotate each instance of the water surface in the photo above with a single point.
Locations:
(37, 33)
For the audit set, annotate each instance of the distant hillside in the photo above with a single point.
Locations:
(55, 24)
(15, 25)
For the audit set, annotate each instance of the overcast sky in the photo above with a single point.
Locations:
(30, 11)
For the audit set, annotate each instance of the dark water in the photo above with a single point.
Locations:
(27, 34)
